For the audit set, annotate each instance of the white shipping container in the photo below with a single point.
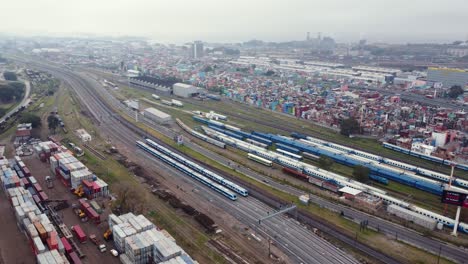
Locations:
(39, 245)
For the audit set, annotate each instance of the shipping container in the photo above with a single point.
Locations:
(73, 258)
(43, 196)
(40, 230)
(66, 245)
(80, 235)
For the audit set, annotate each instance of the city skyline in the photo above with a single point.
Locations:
(237, 21)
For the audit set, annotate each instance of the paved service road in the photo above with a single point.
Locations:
(22, 103)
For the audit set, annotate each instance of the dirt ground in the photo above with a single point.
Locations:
(40, 170)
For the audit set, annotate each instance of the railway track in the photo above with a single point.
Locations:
(319, 135)
(96, 101)
(95, 152)
(265, 197)
(124, 134)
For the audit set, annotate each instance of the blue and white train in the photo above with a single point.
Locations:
(199, 135)
(318, 173)
(424, 156)
(213, 176)
(432, 182)
(195, 175)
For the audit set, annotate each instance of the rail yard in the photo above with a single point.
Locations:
(241, 196)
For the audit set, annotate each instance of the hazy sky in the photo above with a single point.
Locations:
(241, 20)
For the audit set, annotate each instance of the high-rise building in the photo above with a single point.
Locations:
(196, 49)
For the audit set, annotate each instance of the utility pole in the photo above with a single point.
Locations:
(450, 184)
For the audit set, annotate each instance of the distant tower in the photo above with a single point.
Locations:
(308, 36)
(319, 36)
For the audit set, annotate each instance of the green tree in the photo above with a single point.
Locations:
(31, 118)
(10, 76)
(361, 173)
(325, 162)
(455, 91)
(53, 123)
(349, 126)
(7, 93)
(19, 88)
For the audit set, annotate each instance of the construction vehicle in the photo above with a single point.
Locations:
(80, 213)
(79, 192)
(108, 235)
(50, 183)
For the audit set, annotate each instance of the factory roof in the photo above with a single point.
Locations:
(157, 113)
(350, 190)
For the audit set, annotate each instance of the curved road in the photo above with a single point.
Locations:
(22, 103)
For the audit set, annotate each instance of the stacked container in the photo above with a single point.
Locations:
(138, 248)
(51, 257)
(138, 241)
(78, 175)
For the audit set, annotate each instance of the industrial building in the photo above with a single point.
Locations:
(447, 76)
(185, 90)
(157, 116)
(152, 83)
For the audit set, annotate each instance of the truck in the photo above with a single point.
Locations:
(80, 235)
(102, 247)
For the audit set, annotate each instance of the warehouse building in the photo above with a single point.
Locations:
(157, 116)
(448, 76)
(152, 83)
(185, 90)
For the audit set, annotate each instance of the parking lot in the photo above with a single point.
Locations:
(60, 192)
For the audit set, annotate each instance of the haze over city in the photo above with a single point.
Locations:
(234, 131)
(178, 21)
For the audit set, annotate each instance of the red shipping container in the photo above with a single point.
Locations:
(91, 213)
(66, 245)
(43, 196)
(38, 187)
(84, 203)
(36, 199)
(73, 258)
(79, 233)
(26, 172)
(25, 182)
(52, 244)
(87, 184)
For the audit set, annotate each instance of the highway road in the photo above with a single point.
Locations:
(300, 243)
(22, 103)
(388, 228)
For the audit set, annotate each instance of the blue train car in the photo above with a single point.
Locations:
(241, 133)
(201, 120)
(226, 132)
(261, 140)
(378, 179)
(262, 135)
(287, 148)
(298, 135)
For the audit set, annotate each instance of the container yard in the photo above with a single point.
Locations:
(78, 235)
(35, 204)
(139, 241)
